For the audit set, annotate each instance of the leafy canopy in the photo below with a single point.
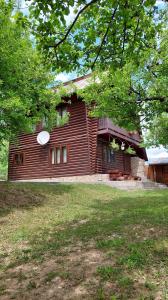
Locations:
(132, 94)
(124, 42)
(25, 96)
(158, 134)
(101, 33)
(135, 96)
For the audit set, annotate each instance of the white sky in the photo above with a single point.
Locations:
(153, 152)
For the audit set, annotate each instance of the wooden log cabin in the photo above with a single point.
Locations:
(78, 148)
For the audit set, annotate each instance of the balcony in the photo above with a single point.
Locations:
(106, 126)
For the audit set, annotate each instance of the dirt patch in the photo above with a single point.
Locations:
(64, 277)
(72, 275)
(144, 232)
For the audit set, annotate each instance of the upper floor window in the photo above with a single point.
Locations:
(59, 155)
(33, 128)
(18, 159)
(62, 111)
(44, 122)
(62, 116)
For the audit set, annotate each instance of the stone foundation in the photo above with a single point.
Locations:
(85, 179)
(138, 167)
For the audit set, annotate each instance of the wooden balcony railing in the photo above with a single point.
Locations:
(106, 125)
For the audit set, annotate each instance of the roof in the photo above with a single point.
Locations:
(158, 159)
(158, 162)
(80, 82)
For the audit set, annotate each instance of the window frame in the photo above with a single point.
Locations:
(60, 115)
(61, 154)
(44, 122)
(15, 161)
(108, 158)
(111, 156)
(64, 146)
(61, 110)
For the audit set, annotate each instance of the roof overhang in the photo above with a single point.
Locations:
(141, 152)
(119, 135)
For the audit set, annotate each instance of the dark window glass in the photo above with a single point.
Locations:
(109, 154)
(62, 111)
(18, 159)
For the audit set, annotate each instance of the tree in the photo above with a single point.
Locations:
(135, 96)
(102, 32)
(123, 42)
(133, 90)
(158, 133)
(3, 160)
(25, 96)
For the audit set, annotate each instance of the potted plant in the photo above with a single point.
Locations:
(130, 150)
(114, 145)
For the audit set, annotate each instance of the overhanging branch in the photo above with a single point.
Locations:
(157, 98)
(73, 23)
(104, 37)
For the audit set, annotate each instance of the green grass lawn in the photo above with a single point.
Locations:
(77, 241)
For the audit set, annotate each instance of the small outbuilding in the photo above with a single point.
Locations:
(157, 168)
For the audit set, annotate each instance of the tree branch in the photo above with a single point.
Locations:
(73, 23)
(141, 99)
(158, 98)
(124, 37)
(137, 26)
(135, 91)
(104, 37)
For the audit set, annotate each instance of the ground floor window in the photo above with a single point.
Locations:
(55, 156)
(64, 154)
(58, 155)
(19, 159)
(108, 154)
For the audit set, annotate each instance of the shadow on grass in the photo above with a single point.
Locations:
(117, 217)
(27, 195)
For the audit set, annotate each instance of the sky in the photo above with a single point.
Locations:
(151, 152)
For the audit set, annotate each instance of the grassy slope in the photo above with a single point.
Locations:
(82, 242)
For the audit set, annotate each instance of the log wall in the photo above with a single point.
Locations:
(79, 135)
(85, 149)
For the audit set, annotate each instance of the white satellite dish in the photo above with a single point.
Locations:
(43, 138)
